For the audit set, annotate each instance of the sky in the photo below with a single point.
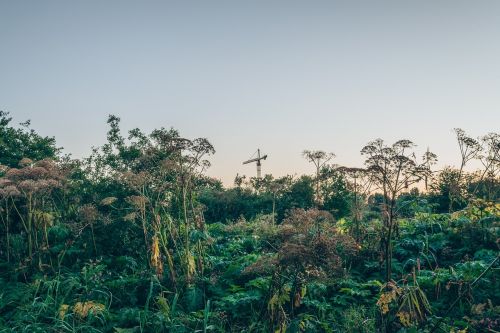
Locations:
(282, 76)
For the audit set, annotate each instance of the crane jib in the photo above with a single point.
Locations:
(258, 159)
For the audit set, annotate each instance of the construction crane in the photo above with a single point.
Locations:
(257, 159)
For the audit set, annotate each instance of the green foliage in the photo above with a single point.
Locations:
(137, 239)
(19, 143)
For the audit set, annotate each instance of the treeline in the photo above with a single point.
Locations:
(136, 238)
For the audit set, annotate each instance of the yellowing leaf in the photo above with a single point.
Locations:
(83, 309)
(63, 309)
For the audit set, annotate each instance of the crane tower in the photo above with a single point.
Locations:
(257, 159)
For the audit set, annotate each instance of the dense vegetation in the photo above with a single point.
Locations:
(136, 238)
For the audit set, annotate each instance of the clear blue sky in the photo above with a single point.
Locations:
(280, 75)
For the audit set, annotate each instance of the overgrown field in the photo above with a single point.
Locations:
(136, 238)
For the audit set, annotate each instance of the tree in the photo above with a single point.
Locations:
(488, 180)
(19, 143)
(189, 164)
(276, 187)
(159, 173)
(319, 158)
(334, 191)
(239, 180)
(447, 193)
(393, 169)
(470, 149)
(299, 195)
(460, 185)
(359, 184)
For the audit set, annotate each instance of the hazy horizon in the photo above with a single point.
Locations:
(280, 76)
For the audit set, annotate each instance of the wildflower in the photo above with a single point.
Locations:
(108, 201)
(25, 162)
